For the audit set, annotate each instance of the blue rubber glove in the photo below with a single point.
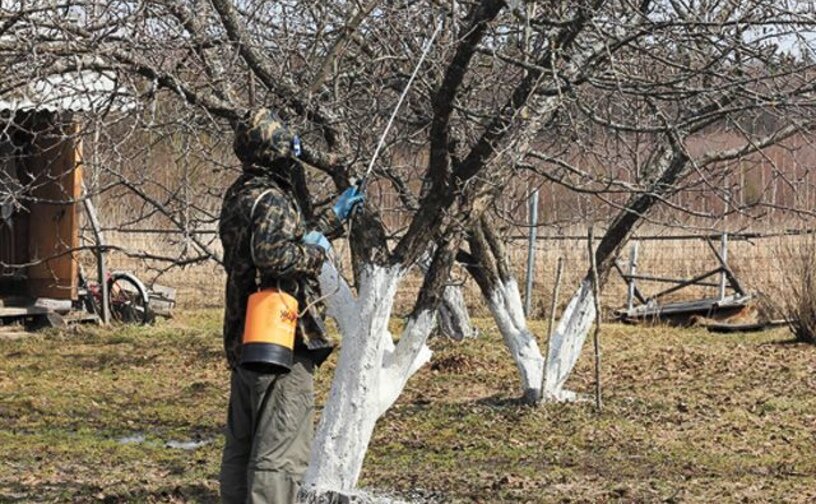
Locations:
(317, 238)
(347, 201)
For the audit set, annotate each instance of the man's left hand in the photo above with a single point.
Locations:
(317, 238)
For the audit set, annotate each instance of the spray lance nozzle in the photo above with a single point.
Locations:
(361, 183)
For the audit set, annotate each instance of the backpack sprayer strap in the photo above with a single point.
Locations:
(258, 281)
(252, 227)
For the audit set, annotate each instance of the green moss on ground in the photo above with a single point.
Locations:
(689, 416)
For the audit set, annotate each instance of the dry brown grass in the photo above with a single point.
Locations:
(689, 417)
(793, 296)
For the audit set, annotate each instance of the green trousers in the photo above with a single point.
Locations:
(268, 435)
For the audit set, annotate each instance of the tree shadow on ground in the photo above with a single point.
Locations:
(502, 401)
(96, 361)
(787, 342)
(86, 493)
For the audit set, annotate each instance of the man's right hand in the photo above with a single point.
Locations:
(350, 198)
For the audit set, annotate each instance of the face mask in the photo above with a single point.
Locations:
(296, 147)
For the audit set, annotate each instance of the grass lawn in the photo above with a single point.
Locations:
(87, 415)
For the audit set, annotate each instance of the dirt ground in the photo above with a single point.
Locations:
(134, 415)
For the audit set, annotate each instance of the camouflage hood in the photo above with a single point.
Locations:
(262, 138)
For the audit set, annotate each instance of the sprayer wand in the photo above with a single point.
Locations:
(362, 182)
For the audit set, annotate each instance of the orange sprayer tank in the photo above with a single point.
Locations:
(269, 332)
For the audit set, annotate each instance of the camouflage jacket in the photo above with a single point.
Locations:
(261, 229)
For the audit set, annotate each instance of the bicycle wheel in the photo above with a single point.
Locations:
(127, 299)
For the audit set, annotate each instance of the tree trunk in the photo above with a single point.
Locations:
(489, 266)
(668, 166)
(566, 342)
(371, 372)
(505, 305)
(453, 318)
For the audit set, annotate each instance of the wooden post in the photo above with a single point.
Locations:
(531, 242)
(724, 255)
(597, 334)
(630, 295)
(553, 305)
(99, 252)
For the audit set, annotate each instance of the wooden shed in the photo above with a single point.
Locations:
(41, 188)
(41, 161)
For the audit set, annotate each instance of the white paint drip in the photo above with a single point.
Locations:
(566, 343)
(506, 306)
(352, 497)
(370, 374)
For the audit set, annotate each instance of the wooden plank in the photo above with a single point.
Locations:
(732, 279)
(55, 305)
(702, 305)
(636, 291)
(685, 284)
(161, 307)
(162, 300)
(81, 317)
(682, 281)
(54, 221)
(22, 311)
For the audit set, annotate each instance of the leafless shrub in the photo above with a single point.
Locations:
(794, 296)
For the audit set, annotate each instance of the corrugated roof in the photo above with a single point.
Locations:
(83, 91)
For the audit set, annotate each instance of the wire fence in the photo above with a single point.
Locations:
(755, 258)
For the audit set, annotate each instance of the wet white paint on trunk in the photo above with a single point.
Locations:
(355, 496)
(506, 307)
(566, 342)
(370, 374)
(409, 355)
(351, 409)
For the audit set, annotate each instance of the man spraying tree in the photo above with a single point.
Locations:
(273, 253)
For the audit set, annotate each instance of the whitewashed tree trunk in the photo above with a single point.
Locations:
(371, 372)
(489, 265)
(506, 307)
(453, 318)
(665, 169)
(567, 340)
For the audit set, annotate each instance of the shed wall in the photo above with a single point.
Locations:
(45, 233)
